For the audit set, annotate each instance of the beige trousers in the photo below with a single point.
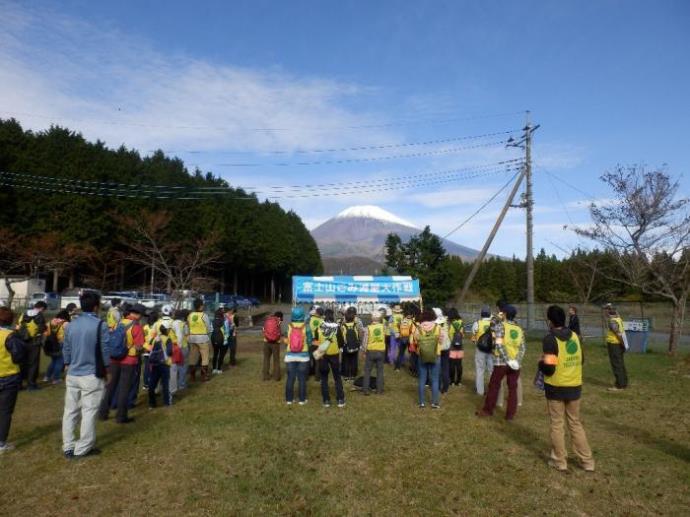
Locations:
(560, 413)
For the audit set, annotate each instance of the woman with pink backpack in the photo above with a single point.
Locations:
(297, 357)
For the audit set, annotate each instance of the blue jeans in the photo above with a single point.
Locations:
(54, 371)
(299, 371)
(182, 370)
(432, 371)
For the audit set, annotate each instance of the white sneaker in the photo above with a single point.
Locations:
(289, 402)
(326, 404)
(303, 402)
(6, 447)
(341, 403)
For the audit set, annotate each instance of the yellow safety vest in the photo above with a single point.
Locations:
(611, 336)
(451, 328)
(397, 320)
(111, 320)
(129, 325)
(377, 340)
(315, 324)
(483, 326)
(333, 348)
(7, 366)
(512, 339)
(156, 329)
(197, 327)
(568, 364)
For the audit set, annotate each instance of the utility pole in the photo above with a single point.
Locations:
(529, 205)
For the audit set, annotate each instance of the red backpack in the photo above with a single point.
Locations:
(272, 329)
(296, 339)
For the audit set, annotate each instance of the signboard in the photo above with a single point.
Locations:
(354, 289)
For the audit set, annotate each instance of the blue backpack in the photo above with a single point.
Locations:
(158, 353)
(118, 341)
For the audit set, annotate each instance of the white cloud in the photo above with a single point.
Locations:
(119, 89)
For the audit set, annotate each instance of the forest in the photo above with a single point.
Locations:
(82, 214)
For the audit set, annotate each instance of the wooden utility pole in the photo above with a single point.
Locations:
(480, 258)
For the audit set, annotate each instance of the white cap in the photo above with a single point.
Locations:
(440, 318)
(167, 310)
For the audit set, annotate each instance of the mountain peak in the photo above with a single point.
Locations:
(374, 212)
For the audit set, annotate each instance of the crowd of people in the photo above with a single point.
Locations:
(108, 363)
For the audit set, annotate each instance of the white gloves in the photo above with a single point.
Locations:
(513, 364)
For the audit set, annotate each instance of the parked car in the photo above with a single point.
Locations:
(51, 299)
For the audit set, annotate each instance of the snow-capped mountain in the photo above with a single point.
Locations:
(361, 231)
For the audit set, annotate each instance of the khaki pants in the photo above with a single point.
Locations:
(561, 411)
(271, 350)
(196, 350)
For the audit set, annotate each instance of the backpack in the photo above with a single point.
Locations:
(158, 354)
(28, 328)
(426, 344)
(456, 342)
(296, 339)
(351, 338)
(272, 329)
(118, 341)
(485, 343)
(51, 346)
(406, 328)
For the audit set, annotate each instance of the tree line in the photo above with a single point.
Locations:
(229, 241)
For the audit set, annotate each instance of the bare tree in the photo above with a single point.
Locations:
(179, 262)
(647, 230)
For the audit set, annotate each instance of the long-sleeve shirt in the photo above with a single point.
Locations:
(79, 348)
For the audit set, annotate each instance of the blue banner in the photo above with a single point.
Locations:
(387, 289)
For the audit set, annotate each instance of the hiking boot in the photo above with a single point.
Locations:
(204, 374)
(192, 373)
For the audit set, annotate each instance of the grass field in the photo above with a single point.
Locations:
(232, 447)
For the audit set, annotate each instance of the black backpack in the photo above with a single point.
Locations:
(456, 342)
(351, 338)
(51, 346)
(485, 343)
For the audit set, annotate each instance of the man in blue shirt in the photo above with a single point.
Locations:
(86, 351)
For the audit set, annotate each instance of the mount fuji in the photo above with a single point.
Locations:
(353, 242)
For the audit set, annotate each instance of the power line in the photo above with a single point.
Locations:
(483, 206)
(369, 159)
(62, 186)
(346, 149)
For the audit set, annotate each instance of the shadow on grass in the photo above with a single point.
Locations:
(673, 449)
(523, 436)
(38, 432)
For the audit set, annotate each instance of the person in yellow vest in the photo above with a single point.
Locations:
(455, 355)
(328, 354)
(403, 327)
(396, 346)
(52, 346)
(561, 365)
(12, 352)
(166, 320)
(199, 341)
(509, 349)
(429, 337)
(617, 345)
(314, 323)
(160, 360)
(181, 329)
(374, 352)
(114, 314)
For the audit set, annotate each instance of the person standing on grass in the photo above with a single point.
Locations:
(273, 333)
(199, 330)
(396, 320)
(574, 321)
(298, 341)
(53, 346)
(442, 322)
(181, 330)
(314, 323)
(429, 338)
(483, 357)
(159, 365)
(329, 359)
(12, 351)
(230, 326)
(32, 328)
(87, 357)
(124, 371)
(561, 364)
(509, 341)
(218, 341)
(374, 352)
(351, 338)
(617, 345)
(456, 353)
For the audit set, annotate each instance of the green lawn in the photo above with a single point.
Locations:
(231, 446)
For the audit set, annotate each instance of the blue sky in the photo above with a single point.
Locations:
(608, 81)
